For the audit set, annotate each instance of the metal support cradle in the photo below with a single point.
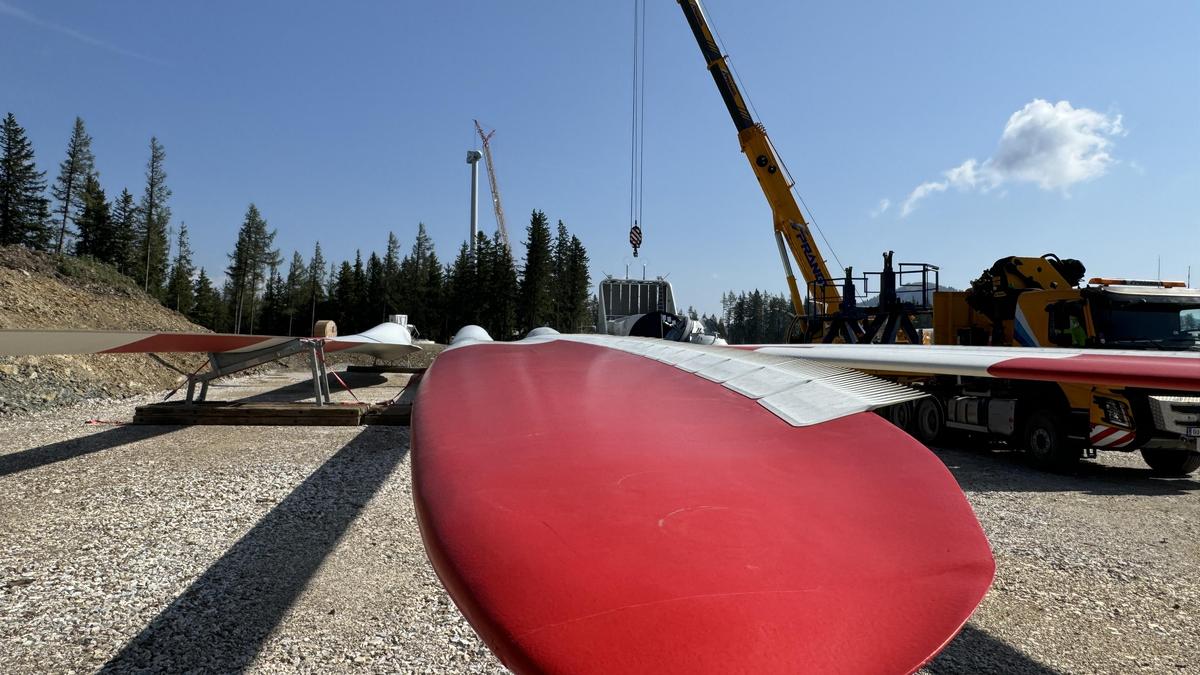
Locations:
(227, 363)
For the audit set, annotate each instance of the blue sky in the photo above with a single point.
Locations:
(343, 121)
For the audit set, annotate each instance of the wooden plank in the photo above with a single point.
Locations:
(250, 421)
(406, 369)
(250, 413)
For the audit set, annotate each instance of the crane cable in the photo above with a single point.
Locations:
(746, 95)
(637, 137)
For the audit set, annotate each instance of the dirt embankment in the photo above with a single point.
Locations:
(43, 291)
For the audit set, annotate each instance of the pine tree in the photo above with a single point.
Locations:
(757, 317)
(124, 221)
(180, 293)
(208, 309)
(252, 255)
(435, 289)
(462, 299)
(342, 297)
(241, 262)
(559, 291)
(376, 291)
(571, 285)
(152, 231)
(418, 286)
(95, 222)
(535, 305)
(576, 289)
(738, 320)
(593, 314)
(73, 174)
(316, 284)
(498, 283)
(268, 260)
(391, 275)
(329, 308)
(273, 302)
(24, 210)
(297, 289)
(229, 300)
(358, 294)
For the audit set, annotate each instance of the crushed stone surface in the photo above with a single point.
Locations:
(296, 549)
(272, 549)
(1096, 570)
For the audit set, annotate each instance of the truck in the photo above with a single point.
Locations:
(1019, 301)
(1043, 302)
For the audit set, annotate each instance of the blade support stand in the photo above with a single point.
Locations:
(228, 363)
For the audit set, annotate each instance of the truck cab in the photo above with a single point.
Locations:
(1141, 316)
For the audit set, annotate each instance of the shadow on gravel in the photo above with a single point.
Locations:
(1006, 471)
(220, 622)
(976, 651)
(304, 390)
(33, 458)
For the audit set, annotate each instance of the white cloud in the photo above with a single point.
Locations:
(920, 192)
(884, 205)
(1051, 145)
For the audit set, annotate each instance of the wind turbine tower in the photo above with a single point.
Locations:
(473, 158)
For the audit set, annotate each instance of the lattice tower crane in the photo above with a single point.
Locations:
(491, 167)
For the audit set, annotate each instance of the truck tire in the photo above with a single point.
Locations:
(1044, 439)
(929, 420)
(900, 415)
(1171, 462)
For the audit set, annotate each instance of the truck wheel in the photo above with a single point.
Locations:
(1171, 462)
(900, 415)
(929, 424)
(1046, 443)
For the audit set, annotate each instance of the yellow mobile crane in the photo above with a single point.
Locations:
(791, 230)
(833, 313)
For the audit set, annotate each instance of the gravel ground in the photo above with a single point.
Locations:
(1096, 571)
(279, 549)
(217, 548)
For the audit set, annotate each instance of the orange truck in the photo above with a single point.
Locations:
(1041, 302)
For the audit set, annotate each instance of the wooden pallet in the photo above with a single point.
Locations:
(264, 413)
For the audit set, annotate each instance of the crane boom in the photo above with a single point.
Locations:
(791, 230)
(491, 167)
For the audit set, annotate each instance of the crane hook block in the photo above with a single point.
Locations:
(635, 238)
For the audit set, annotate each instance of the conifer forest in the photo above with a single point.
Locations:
(263, 291)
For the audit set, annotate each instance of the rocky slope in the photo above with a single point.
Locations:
(43, 291)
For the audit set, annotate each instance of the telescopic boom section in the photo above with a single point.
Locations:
(790, 227)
